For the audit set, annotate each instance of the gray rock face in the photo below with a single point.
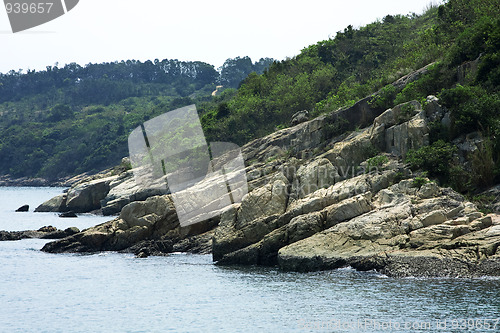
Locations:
(404, 234)
(153, 220)
(124, 190)
(300, 117)
(107, 192)
(56, 204)
(368, 221)
(87, 196)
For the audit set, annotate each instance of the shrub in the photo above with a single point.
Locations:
(434, 159)
(376, 162)
(483, 165)
(384, 99)
(419, 181)
(406, 112)
(472, 108)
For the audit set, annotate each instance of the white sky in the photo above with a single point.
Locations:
(210, 31)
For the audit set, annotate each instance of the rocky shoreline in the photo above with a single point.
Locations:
(316, 201)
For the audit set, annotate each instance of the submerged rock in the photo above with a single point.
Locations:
(69, 214)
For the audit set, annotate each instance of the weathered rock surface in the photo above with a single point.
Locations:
(337, 217)
(107, 192)
(87, 197)
(299, 117)
(404, 235)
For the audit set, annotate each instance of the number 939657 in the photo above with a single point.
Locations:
(28, 8)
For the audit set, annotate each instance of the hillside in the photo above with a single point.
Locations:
(75, 119)
(57, 130)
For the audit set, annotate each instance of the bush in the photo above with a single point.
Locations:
(430, 83)
(483, 165)
(434, 159)
(472, 108)
(376, 162)
(419, 182)
(384, 99)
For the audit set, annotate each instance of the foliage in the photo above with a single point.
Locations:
(435, 159)
(384, 99)
(473, 107)
(406, 112)
(419, 182)
(483, 164)
(484, 202)
(376, 162)
(234, 71)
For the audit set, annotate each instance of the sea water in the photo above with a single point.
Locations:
(113, 292)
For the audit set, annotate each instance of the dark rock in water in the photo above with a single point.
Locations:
(48, 229)
(59, 234)
(10, 235)
(68, 214)
(18, 235)
(151, 248)
(71, 231)
(142, 255)
(24, 208)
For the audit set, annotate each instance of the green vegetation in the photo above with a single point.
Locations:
(484, 202)
(376, 162)
(75, 119)
(436, 159)
(419, 182)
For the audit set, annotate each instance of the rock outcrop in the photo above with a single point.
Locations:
(106, 192)
(339, 214)
(316, 201)
(153, 221)
(56, 204)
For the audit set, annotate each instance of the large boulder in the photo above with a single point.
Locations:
(124, 190)
(56, 204)
(87, 196)
(401, 128)
(312, 176)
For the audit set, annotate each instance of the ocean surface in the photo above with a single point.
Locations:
(112, 292)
